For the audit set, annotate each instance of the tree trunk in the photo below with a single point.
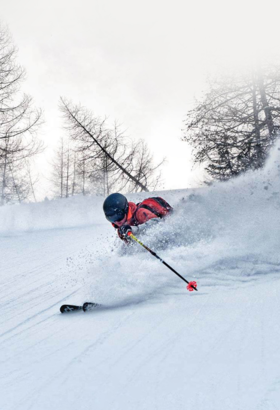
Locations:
(74, 174)
(266, 108)
(61, 169)
(4, 180)
(67, 174)
(257, 125)
(15, 184)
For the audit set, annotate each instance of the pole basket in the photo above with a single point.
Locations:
(192, 286)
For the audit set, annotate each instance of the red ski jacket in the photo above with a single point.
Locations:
(140, 213)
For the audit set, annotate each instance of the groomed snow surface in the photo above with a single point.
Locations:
(152, 345)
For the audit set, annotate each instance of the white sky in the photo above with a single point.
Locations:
(140, 63)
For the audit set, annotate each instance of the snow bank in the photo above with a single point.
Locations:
(60, 213)
(72, 212)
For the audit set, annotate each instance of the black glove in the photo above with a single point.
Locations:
(123, 231)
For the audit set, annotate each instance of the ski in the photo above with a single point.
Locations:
(73, 308)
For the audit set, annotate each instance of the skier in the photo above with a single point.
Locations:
(123, 214)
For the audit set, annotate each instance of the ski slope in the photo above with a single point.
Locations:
(153, 344)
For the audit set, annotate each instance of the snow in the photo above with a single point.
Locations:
(153, 344)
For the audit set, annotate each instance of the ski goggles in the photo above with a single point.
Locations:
(116, 216)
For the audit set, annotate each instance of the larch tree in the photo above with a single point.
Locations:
(234, 125)
(110, 160)
(18, 125)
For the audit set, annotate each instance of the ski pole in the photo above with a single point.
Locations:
(191, 285)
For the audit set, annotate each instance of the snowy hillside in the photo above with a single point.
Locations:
(153, 344)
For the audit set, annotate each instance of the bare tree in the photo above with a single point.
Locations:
(110, 156)
(16, 180)
(18, 125)
(236, 123)
(32, 179)
(17, 183)
(17, 117)
(63, 175)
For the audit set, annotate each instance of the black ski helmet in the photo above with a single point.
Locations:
(115, 207)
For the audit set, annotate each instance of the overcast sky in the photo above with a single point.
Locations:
(140, 63)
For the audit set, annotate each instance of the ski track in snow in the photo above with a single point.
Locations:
(152, 344)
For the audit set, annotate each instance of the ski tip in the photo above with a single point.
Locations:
(69, 308)
(63, 308)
